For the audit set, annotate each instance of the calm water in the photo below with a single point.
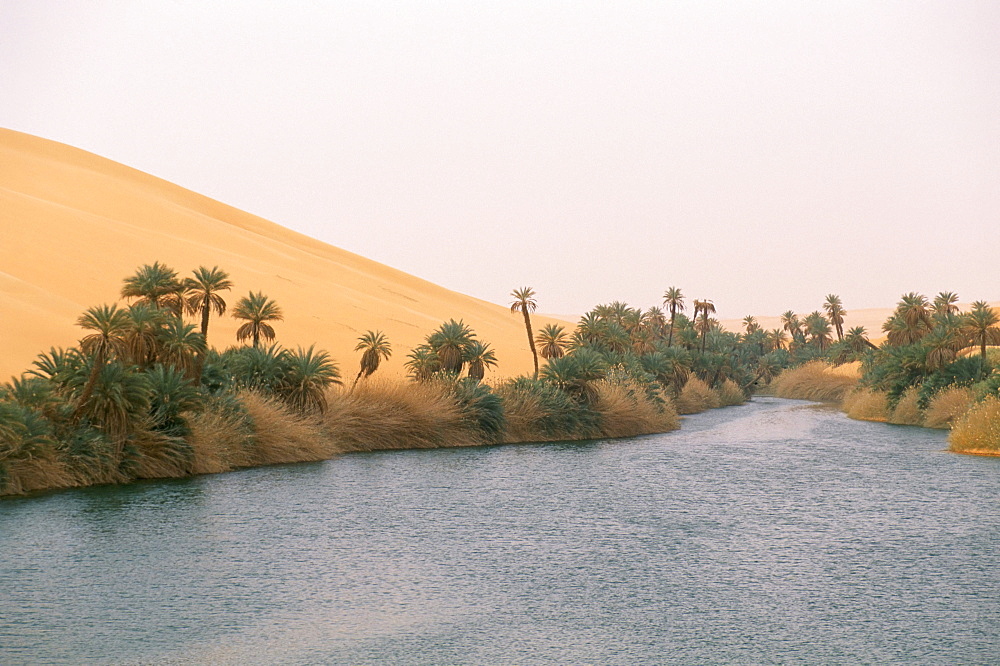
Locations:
(774, 532)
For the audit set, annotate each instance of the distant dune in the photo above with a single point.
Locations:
(75, 224)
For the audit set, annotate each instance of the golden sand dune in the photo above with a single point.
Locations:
(75, 224)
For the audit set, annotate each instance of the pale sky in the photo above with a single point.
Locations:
(761, 155)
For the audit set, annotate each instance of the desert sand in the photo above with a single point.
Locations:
(75, 224)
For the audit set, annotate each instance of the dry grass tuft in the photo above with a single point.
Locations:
(391, 414)
(220, 441)
(729, 393)
(42, 472)
(907, 411)
(947, 406)
(816, 380)
(978, 431)
(157, 456)
(627, 411)
(865, 404)
(281, 435)
(696, 397)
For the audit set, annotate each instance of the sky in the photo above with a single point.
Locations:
(757, 154)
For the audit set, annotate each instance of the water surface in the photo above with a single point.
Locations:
(776, 532)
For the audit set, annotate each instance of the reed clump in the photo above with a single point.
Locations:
(382, 414)
(281, 435)
(978, 431)
(221, 438)
(696, 396)
(729, 394)
(816, 380)
(947, 406)
(907, 410)
(865, 404)
(538, 411)
(627, 410)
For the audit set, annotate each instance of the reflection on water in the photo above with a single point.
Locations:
(774, 532)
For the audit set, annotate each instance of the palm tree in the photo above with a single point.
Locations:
(981, 326)
(423, 363)
(857, 340)
(751, 325)
(110, 326)
(256, 309)
(202, 293)
(553, 340)
(673, 300)
(309, 373)
(524, 303)
(835, 311)
(449, 342)
(479, 357)
(818, 329)
(589, 329)
(376, 347)
(655, 321)
(181, 346)
(157, 286)
(776, 339)
(142, 339)
(946, 303)
(790, 322)
(703, 325)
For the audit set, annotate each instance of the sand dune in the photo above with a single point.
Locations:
(75, 224)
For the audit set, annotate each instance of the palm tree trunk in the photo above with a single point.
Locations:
(670, 340)
(531, 338)
(88, 389)
(204, 320)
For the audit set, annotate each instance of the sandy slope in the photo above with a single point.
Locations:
(73, 224)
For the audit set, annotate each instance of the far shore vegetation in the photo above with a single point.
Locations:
(936, 368)
(149, 392)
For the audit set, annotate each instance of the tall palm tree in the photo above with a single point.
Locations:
(981, 326)
(673, 300)
(376, 347)
(703, 325)
(790, 322)
(479, 357)
(552, 340)
(946, 303)
(157, 286)
(110, 326)
(309, 373)
(450, 342)
(835, 313)
(256, 309)
(202, 294)
(524, 302)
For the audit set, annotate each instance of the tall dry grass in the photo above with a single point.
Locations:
(221, 440)
(44, 471)
(729, 394)
(816, 380)
(907, 410)
(947, 406)
(978, 431)
(865, 404)
(281, 435)
(626, 411)
(382, 414)
(696, 396)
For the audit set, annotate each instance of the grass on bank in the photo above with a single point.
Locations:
(816, 380)
(978, 430)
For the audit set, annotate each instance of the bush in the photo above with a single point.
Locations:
(696, 397)
(626, 410)
(978, 431)
(947, 406)
(538, 411)
(816, 380)
(729, 393)
(866, 404)
(907, 410)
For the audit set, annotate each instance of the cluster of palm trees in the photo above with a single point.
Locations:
(448, 350)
